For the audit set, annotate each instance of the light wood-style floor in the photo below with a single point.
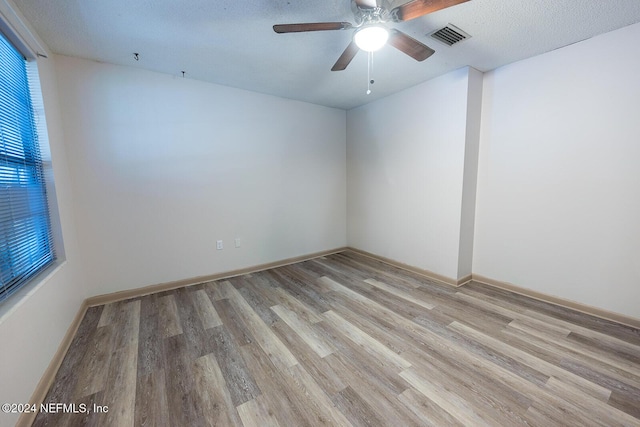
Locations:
(347, 340)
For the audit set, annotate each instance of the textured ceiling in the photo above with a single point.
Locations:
(232, 42)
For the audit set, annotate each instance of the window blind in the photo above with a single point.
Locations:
(26, 244)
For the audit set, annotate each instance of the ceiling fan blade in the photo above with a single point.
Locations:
(409, 45)
(313, 26)
(417, 8)
(346, 57)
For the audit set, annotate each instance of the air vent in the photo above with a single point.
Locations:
(450, 35)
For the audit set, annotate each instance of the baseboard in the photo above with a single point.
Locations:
(41, 390)
(422, 272)
(466, 279)
(40, 393)
(147, 290)
(572, 305)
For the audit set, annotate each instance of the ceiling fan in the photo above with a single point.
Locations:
(372, 32)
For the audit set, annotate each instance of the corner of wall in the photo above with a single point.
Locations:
(470, 177)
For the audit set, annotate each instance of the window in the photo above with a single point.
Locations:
(26, 243)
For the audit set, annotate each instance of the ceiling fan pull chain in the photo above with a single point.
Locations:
(370, 81)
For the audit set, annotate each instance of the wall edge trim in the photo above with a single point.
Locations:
(422, 272)
(167, 286)
(601, 313)
(46, 380)
(49, 375)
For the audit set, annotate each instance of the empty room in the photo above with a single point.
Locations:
(308, 213)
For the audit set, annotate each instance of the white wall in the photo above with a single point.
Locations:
(164, 166)
(559, 184)
(31, 329)
(405, 163)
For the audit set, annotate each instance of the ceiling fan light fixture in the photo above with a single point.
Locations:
(371, 38)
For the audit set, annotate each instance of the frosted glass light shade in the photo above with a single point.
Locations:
(371, 38)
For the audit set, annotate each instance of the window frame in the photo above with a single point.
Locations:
(26, 44)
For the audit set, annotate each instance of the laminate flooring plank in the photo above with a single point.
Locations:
(477, 317)
(545, 327)
(293, 304)
(556, 312)
(258, 305)
(441, 395)
(93, 371)
(539, 395)
(169, 322)
(392, 302)
(430, 339)
(550, 416)
(120, 393)
(150, 343)
(319, 367)
(261, 284)
(205, 309)
(195, 335)
(384, 310)
(365, 271)
(80, 418)
(356, 409)
(67, 377)
(424, 408)
(212, 394)
(241, 385)
(351, 361)
(517, 383)
(318, 403)
(383, 332)
(271, 345)
(400, 293)
(476, 386)
(127, 324)
(630, 392)
(306, 331)
(216, 291)
(255, 413)
(539, 364)
(626, 402)
(301, 393)
(603, 366)
(151, 406)
(605, 346)
(609, 357)
(179, 382)
(388, 409)
(482, 351)
(232, 322)
(390, 272)
(614, 343)
(366, 342)
(109, 314)
(284, 403)
(605, 413)
(300, 288)
(587, 371)
(381, 311)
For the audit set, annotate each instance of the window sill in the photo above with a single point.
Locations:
(9, 306)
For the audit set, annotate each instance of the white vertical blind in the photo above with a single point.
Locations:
(26, 244)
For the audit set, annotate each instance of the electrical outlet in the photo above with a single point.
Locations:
(237, 242)
(219, 245)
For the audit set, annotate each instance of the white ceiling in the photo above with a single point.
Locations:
(232, 42)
